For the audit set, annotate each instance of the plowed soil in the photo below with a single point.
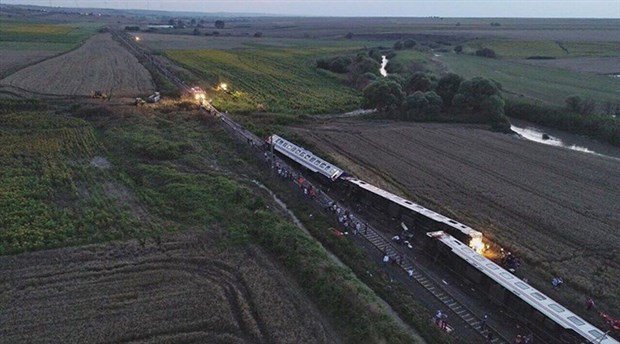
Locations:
(177, 289)
(99, 64)
(558, 208)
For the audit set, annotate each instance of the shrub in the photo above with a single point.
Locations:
(220, 24)
(409, 43)
(398, 45)
(486, 52)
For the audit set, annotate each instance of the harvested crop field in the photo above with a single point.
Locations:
(528, 197)
(99, 64)
(181, 288)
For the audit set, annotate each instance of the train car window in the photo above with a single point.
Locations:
(507, 275)
(522, 285)
(492, 266)
(576, 320)
(597, 334)
(452, 221)
(556, 308)
(408, 202)
(539, 296)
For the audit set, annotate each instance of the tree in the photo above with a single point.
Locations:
(384, 95)
(458, 49)
(481, 100)
(193, 22)
(448, 86)
(409, 43)
(171, 22)
(486, 52)
(419, 81)
(219, 24)
(364, 64)
(258, 34)
(349, 35)
(196, 32)
(422, 105)
(398, 45)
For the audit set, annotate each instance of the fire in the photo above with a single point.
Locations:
(137, 38)
(477, 245)
(223, 86)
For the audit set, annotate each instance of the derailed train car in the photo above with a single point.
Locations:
(413, 215)
(550, 322)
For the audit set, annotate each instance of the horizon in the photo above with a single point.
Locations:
(599, 9)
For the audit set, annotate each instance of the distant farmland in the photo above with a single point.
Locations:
(550, 85)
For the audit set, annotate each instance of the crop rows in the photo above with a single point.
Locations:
(51, 195)
(277, 80)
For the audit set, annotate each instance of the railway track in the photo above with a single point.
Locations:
(372, 235)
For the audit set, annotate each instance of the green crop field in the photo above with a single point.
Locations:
(523, 49)
(549, 85)
(50, 193)
(45, 33)
(275, 80)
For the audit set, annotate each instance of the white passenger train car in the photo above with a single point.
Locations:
(463, 232)
(532, 307)
(305, 158)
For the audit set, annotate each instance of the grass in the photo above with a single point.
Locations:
(522, 49)
(549, 85)
(274, 80)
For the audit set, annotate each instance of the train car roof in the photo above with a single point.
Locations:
(524, 291)
(416, 207)
(306, 158)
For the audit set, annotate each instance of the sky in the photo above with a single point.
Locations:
(409, 8)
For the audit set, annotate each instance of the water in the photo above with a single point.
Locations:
(566, 140)
(384, 62)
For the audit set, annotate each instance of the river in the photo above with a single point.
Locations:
(563, 139)
(384, 62)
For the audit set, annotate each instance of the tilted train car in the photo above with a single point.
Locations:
(305, 158)
(413, 215)
(551, 322)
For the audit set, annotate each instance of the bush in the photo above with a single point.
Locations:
(486, 52)
(409, 43)
(220, 24)
(458, 49)
(338, 64)
(398, 45)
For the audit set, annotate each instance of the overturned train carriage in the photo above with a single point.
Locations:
(550, 322)
(413, 215)
(305, 158)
